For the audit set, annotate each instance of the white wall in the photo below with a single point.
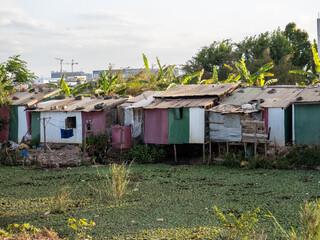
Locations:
(22, 122)
(276, 122)
(196, 125)
(56, 123)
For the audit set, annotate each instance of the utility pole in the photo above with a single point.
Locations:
(318, 32)
(43, 120)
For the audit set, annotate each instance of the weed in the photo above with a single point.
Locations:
(310, 220)
(81, 227)
(232, 160)
(146, 154)
(243, 226)
(115, 184)
(61, 199)
(10, 157)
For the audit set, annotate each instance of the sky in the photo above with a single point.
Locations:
(96, 33)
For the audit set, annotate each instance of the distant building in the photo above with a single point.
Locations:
(127, 72)
(69, 74)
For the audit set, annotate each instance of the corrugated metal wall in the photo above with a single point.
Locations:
(98, 122)
(156, 126)
(35, 126)
(179, 125)
(276, 122)
(197, 121)
(306, 124)
(13, 123)
(4, 129)
(226, 128)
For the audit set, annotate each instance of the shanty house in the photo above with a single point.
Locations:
(19, 119)
(227, 118)
(177, 116)
(70, 120)
(277, 103)
(306, 117)
(132, 113)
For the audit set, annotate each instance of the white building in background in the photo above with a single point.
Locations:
(127, 72)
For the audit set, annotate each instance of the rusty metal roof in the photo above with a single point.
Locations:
(32, 96)
(142, 96)
(279, 96)
(159, 103)
(310, 94)
(72, 105)
(241, 96)
(196, 90)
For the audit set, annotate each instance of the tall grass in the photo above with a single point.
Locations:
(115, 182)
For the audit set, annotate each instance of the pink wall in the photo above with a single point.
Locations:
(4, 130)
(156, 126)
(126, 136)
(99, 122)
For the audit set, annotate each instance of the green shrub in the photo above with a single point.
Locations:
(97, 147)
(300, 157)
(146, 154)
(10, 157)
(261, 162)
(232, 160)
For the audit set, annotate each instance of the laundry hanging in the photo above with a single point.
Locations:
(66, 133)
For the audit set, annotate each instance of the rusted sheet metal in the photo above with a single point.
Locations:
(98, 123)
(156, 126)
(4, 129)
(72, 105)
(278, 96)
(241, 96)
(226, 128)
(142, 96)
(180, 103)
(196, 90)
(309, 95)
(28, 98)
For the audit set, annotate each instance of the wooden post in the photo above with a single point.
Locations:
(227, 147)
(175, 153)
(121, 140)
(210, 152)
(44, 132)
(204, 152)
(219, 149)
(85, 140)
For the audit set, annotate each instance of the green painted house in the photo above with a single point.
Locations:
(306, 117)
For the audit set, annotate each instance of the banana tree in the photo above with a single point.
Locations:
(257, 78)
(309, 76)
(108, 83)
(61, 85)
(232, 78)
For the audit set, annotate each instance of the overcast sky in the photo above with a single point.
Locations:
(98, 32)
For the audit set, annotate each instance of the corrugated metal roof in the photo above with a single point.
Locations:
(71, 105)
(308, 95)
(28, 98)
(241, 96)
(179, 103)
(278, 96)
(196, 90)
(142, 96)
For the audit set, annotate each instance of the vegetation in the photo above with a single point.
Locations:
(287, 50)
(146, 154)
(97, 147)
(162, 201)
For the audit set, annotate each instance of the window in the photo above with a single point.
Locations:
(71, 122)
(88, 126)
(178, 113)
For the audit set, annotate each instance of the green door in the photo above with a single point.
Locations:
(35, 126)
(13, 123)
(178, 125)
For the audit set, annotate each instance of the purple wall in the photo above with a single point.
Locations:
(99, 122)
(156, 126)
(4, 130)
